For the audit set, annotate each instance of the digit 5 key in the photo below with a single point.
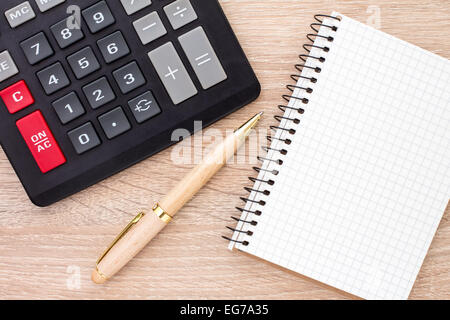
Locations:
(40, 141)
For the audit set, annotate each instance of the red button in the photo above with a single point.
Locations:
(17, 97)
(41, 142)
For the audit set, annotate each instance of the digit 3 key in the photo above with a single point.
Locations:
(88, 93)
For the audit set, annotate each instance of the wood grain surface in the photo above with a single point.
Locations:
(42, 250)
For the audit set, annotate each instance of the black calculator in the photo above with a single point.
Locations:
(89, 88)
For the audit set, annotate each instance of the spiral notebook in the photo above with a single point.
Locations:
(357, 175)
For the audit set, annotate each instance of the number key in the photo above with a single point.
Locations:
(83, 62)
(113, 47)
(84, 138)
(129, 77)
(68, 108)
(98, 17)
(36, 48)
(99, 93)
(53, 78)
(67, 32)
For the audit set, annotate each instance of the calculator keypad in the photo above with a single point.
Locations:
(37, 48)
(172, 73)
(98, 17)
(99, 93)
(67, 32)
(113, 79)
(114, 123)
(83, 62)
(68, 108)
(53, 78)
(84, 138)
(113, 47)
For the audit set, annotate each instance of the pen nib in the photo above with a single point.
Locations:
(246, 128)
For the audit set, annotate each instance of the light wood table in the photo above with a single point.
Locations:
(43, 249)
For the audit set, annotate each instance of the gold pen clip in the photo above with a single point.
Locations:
(121, 235)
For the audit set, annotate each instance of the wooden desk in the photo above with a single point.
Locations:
(41, 250)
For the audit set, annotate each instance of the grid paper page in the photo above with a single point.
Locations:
(366, 179)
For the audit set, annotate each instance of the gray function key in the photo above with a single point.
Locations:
(45, 5)
(202, 57)
(133, 6)
(180, 13)
(7, 66)
(172, 73)
(20, 14)
(149, 28)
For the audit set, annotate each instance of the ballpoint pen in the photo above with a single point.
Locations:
(144, 227)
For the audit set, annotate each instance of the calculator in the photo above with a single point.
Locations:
(89, 88)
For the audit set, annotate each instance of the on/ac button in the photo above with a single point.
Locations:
(40, 141)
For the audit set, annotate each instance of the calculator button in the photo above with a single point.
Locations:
(144, 107)
(98, 17)
(202, 58)
(113, 47)
(40, 141)
(17, 97)
(45, 5)
(84, 138)
(114, 123)
(180, 13)
(67, 32)
(149, 28)
(20, 14)
(133, 6)
(83, 62)
(7, 66)
(37, 48)
(172, 73)
(68, 108)
(53, 78)
(129, 77)
(99, 93)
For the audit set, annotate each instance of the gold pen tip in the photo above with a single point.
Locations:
(245, 129)
(97, 278)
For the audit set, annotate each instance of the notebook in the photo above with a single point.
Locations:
(357, 175)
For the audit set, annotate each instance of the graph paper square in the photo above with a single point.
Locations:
(366, 179)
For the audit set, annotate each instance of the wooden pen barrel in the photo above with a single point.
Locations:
(150, 224)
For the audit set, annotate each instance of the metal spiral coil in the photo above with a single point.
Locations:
(280, 118)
